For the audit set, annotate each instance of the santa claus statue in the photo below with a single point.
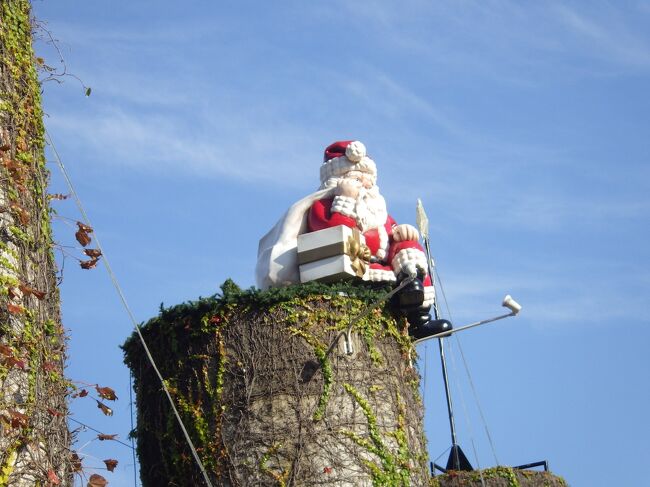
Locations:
(349, 196)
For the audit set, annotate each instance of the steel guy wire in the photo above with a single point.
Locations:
(469, 375)
(117, 287)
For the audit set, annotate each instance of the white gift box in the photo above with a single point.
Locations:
(323, 255)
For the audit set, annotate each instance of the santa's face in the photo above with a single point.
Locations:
(361, 177)
(370, 205)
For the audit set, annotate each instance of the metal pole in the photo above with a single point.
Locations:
(443, 361)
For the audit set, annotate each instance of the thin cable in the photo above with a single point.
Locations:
(99, 432)
(135, 468)
(129, 312)
(467, 417)
(471, 381)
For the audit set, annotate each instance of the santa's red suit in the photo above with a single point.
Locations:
(392, 257)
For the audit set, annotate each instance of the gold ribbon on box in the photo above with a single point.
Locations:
(358, 252)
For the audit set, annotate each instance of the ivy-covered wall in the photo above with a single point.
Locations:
(266, 404)
(34, 439)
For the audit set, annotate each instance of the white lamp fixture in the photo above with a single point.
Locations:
(511, 304)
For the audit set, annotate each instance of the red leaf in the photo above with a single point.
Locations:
(103, 437)
(5, 147)
(110, 464)
(15, 362)
(105, 409)
(49, 366)
(215, 319)
(6, 351)
(106, 393)
(59, 196)
(27, 290)
(75, 462)
(18, 420)
(93, 253)
(54, 412)
(82, 234)
(83, 393)
(327, 469)
(21, 213)
(88, 264)
(96, 480)
(15, 309)
(52, 477)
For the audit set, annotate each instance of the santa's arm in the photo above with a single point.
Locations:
(323, 214)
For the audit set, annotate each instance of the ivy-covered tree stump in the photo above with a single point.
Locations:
(498, 477)
(264, 401)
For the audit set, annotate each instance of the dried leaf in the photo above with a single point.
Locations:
(20, 212)
(15, 362)
(49, 366)
(58, 196)
(18, 420)
(75, 462)
(110, 464)
(82, 234)
(81, 393)
(97, 480)
(105, 409)
(6, 351)
(52, 478)
(27, 290)
(106, 393)
(93, 253)
(88, 264)
(15, 309)
(103, 437)
(5, 147)
(327, 469)
(54, 412)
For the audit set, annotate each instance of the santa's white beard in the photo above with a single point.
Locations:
(370, 209)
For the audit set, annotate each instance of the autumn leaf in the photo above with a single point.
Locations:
(88, 264)
(5, 147)
(105, 437)
(93, 253)
(327, 469)
(97, 480)
(54, 412)
(18, 420)
(49, 366)
(6, 351)
(110, 464)
(106, 393)
(75, 462)
(15, 309)
(15, 362)
(21, 213)
(105, 409)
(52, 478)
(27, 290)
(82, 234)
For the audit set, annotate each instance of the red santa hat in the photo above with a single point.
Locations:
(346, 155)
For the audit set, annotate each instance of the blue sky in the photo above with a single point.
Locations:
(522, 126)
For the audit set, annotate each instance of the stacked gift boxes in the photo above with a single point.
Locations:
(332, 254)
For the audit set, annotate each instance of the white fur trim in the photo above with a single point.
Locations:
(409, 261)
(429, 296)
(355, 151)
(338, 166)
(379, 275)
(344, 205)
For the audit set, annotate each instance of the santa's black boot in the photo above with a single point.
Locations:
(421, 325)
(409, 297)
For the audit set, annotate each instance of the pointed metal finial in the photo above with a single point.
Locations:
(422, 220)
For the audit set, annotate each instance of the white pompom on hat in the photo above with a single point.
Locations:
(346, 155)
